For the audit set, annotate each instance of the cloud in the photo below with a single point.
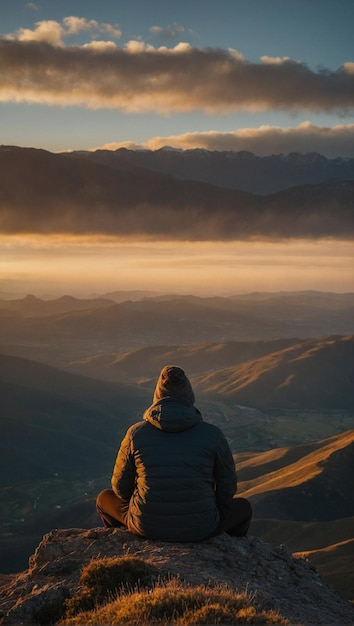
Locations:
(32, 6)
(47, 30)
(74, 25)
(36, 67)
(101, 46)
(169, 32)
(54, 32)
(275, 60)
(306, 137)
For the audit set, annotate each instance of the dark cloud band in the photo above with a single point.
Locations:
(137, 78)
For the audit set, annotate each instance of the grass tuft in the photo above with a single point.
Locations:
(172, 602)
(104, 579)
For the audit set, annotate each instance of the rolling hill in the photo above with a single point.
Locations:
(85, 331)
(318, 486)
(302, 497)
(310, 374)
(144, 364)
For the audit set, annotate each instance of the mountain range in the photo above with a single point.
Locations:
(74, 194)
(232, 170)
(65, 330)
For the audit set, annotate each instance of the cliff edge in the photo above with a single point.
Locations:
(277, 580)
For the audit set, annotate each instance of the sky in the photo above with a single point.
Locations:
(269, 76)
(265, 75)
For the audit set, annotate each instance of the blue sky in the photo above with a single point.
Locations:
(269, 76)
(268, 36)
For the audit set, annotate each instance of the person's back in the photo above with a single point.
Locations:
(174, 477)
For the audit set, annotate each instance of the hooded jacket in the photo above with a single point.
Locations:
(171, 472)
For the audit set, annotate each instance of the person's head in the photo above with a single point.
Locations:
(172, 382)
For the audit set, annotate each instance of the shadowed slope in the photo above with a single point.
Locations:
(334, 563)
(54, 421)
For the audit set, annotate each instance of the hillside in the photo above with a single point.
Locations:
(310, 374)
(302, 498)
(334, 562)
(143, 364)
(327, 545)
(318, 486)
(55, 422)
(60, 337)
(61, 194)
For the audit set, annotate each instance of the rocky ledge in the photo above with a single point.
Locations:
(278, 581)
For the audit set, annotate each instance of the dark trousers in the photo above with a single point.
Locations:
(235, 516)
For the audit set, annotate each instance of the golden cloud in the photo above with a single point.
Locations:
(306, 137)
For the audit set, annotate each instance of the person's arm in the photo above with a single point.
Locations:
(123, 479)
(224, 472)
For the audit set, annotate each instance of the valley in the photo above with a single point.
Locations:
(74, 374)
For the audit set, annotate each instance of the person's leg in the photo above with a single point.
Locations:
(112, 510)
(236, 517)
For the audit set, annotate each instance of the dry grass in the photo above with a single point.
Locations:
(108, 597)
(104, 578)
(174, 603)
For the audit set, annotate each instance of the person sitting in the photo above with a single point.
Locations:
(174, 478)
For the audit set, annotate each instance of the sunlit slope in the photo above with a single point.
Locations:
(317, 486)
(52, 421)
(252, 465)
(312, 374)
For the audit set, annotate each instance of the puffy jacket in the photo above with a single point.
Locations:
(171, 471)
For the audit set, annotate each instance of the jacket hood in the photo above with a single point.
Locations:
(172, 415)
(173, 382)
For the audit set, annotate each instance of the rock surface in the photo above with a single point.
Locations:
(278, 580)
